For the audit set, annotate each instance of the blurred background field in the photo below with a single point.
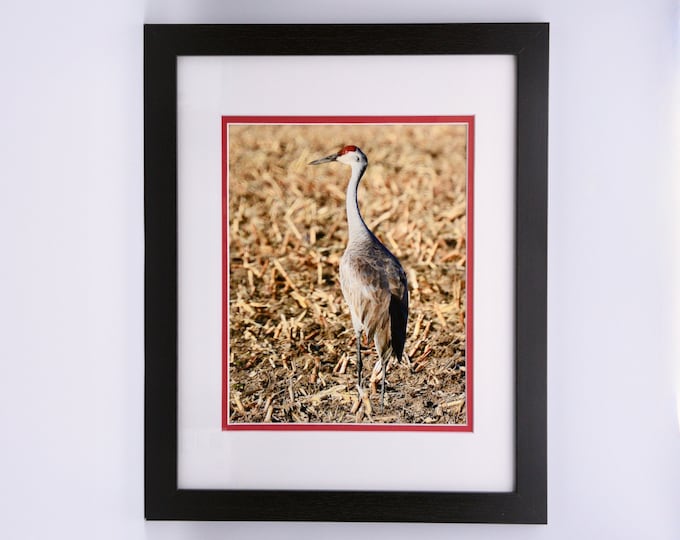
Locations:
(292, 351)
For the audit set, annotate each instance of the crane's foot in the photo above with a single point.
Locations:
(362, 406)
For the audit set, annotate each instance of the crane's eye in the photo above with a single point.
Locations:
(357, 158)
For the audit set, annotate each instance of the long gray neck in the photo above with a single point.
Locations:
(357, 227)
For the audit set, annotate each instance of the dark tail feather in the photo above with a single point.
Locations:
(398, 320)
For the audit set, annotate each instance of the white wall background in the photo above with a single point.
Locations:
(71, 347)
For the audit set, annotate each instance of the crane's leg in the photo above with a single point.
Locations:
(382, 389)
(359, 360)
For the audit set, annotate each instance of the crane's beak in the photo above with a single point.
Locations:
(327, 159)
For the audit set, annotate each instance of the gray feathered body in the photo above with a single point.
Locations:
(375, 289)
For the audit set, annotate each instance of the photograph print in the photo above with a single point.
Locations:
(347, 273)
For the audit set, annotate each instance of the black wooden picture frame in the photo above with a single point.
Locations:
(163, 44)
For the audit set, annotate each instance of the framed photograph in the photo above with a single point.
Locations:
(290, 353)
(345, 286)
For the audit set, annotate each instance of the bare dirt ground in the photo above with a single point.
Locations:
(291, 344)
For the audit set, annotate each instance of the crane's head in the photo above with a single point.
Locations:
(351, 155)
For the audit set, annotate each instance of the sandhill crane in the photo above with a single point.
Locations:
(372, 279)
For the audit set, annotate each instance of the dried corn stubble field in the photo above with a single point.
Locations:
(291, 344)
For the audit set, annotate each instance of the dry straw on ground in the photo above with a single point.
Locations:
(291, 344)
